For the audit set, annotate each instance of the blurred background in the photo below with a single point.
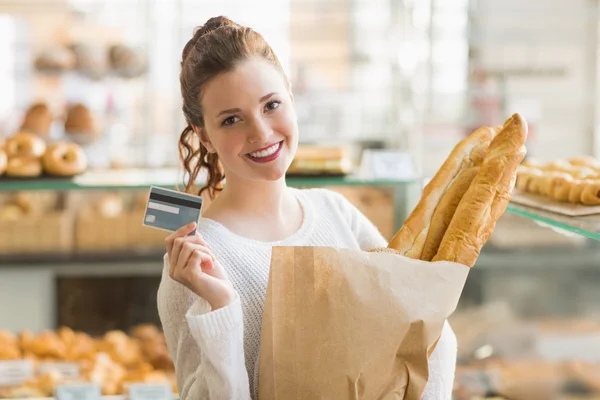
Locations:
(383, 90)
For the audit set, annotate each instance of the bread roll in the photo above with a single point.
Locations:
(487, 197)
(80, 120)
(448, 184)
(585, 161)
(3, 162)
(38, 119)
(591, 193)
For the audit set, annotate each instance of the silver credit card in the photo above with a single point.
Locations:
(169, 209)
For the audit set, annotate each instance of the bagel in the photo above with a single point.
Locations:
(64, 159)
(24, 167)
(38, 119)
(3, 161)
(25, 144)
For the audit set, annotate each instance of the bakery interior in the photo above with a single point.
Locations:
(383, 89)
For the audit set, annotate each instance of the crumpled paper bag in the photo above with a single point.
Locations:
(349, 324)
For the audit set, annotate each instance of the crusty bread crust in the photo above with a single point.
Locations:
(487, 197)
(447, 184)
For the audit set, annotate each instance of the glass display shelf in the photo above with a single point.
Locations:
(588, 226)
(169, 178)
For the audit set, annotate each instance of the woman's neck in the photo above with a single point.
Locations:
(243, 206)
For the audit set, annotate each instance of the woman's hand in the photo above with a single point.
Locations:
(192, 264)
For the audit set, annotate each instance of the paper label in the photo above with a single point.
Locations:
(15, 372)
(150, 391)
(387, 164)
(67, 370)
(79, 391)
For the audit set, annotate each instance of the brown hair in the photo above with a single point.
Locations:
(216, 47)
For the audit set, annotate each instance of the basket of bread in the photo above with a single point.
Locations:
(113, 222)
(34, 223)
(40, 362)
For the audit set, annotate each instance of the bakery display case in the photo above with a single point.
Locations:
(83, 270)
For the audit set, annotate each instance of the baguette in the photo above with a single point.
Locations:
(411, 238)
(487, 197)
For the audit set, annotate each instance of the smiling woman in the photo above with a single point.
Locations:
(213, 104)
(242, 124)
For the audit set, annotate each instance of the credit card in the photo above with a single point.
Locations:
(169, 209)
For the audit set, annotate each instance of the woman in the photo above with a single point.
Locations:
(241, 123)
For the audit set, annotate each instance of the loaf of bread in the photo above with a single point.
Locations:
(422, 232)
(487, 197)
(38, 119)
(559, 185)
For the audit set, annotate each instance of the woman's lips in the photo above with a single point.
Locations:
(267, 154)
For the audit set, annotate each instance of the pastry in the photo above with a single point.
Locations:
(25, 144)
(3, 161)
(79, 120)
(560, 186)
(487, 197)
(426, 225)
(55, 59)
(126, 61)
(585, 161)
(24, 167)
(46, 345)
(38, 119)
(64, 159)
(121, 348)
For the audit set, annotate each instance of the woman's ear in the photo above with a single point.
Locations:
(204, 140)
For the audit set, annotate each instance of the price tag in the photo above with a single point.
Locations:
(387, 164)
(15, 372)
(67, 370)
(79, 391)
(150, 391)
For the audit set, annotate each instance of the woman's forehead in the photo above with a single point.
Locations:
(251, 79)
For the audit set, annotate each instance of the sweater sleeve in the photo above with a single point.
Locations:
(442, 367)
(365, 232)
(206, 346)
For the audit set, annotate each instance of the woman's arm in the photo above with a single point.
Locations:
(206, 346)
(442, 366)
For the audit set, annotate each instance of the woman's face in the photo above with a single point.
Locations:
(250, 122)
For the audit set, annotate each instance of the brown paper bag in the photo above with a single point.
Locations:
(348, 324)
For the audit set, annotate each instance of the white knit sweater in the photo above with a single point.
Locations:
(216, 352)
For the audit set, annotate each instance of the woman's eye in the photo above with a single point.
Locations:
(229, 121)
(272, 105)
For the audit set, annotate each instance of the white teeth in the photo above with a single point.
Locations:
(265, 152)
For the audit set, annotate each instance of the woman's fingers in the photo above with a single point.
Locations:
(187, 249)
(181, 232)
(203, 258)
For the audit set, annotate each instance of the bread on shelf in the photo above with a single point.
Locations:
(576, 180)
(113, 361)
(38, 119)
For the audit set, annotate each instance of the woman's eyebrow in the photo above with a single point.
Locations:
(234, 110)
(229, 111)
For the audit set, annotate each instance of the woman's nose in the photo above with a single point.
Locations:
(260, 131)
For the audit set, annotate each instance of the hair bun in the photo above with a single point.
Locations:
(214, 23)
